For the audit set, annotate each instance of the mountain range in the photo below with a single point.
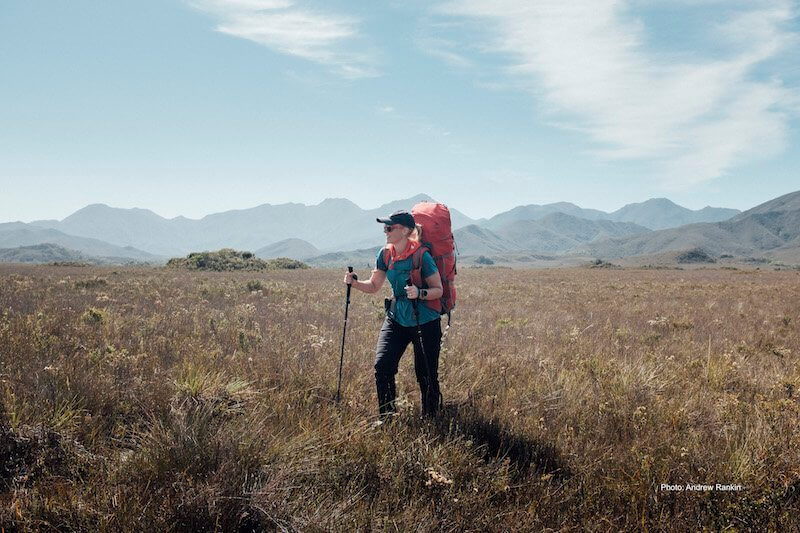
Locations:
(337, 228)
(554, 233)
(656, 213)
(334, 224)
(771, 229)
(51, 253)
(16, 234)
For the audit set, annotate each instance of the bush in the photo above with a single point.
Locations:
(695, 255)
(94, 316)
(254, 285)
(483, 260)
(285, 263)
(228, 259)
(599, 263)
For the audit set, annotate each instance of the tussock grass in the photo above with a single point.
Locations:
(167, 400)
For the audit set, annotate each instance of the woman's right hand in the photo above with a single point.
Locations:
(349, 277)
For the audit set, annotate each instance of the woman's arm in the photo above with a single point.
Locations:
(371, 286)
(433, 290)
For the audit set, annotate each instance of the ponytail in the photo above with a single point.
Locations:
(416, 233)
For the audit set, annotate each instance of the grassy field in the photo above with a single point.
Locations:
(162, 400)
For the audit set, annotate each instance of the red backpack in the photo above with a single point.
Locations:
(437, 239)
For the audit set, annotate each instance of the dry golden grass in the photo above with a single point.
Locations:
(146, 399)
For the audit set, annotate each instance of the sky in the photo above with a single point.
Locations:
(190, 107)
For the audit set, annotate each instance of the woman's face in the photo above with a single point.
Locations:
(394, 233)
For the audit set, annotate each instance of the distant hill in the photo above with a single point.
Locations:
(475, 240)
(783, 204)
(559, 232)
(707, 236)
(42, 253)
(536, 212)
(660, 213)
(554, 233)
(656, 213)
(123, 227)
(16, 234)
(772, 228)
(52, 253)
(294, 248)
(358, 259)
(532, 235)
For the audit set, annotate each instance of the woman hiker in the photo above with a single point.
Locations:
(400, 327)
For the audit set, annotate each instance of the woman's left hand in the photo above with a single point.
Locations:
(412, 292)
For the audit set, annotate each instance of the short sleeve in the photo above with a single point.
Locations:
(379, 263)
(428, 265)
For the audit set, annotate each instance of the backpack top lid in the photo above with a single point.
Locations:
(435, 221)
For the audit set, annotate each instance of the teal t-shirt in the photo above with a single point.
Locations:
(397, 276)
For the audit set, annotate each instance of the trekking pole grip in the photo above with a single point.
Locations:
(349, 286)
(414, 301)
(408, 282)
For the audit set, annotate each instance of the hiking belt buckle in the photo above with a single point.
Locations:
(390, 305)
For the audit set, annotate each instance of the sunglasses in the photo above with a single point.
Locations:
(389, 229)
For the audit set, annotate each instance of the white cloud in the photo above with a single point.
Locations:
(752, 128)
(590, 64)
(287, 28)
(443, 49)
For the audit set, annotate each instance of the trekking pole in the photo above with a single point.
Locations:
(344, 332)
(422, 347)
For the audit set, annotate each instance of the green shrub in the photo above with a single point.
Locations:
(254, 285)
(695, 255)
(285, 263)
(228, 259)
(94, 316)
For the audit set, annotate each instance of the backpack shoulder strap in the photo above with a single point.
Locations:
(387, 258)
(416, 257)
(416, 266)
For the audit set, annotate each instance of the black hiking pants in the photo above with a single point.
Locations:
(392, 342)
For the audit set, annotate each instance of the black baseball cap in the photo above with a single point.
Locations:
(402, 217)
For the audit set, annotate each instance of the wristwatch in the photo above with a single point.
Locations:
(423, 294)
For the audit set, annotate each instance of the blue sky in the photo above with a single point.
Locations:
(199, 106)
